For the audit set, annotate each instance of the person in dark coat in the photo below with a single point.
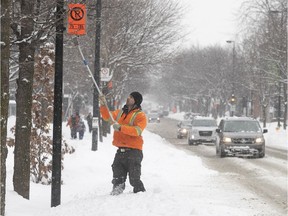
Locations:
(81, 129)
(73, 124)
(89, 121)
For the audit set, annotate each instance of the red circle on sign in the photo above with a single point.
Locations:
(77, 13)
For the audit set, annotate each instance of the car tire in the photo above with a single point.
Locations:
(222, 152)
(190, 142)
(262, 153)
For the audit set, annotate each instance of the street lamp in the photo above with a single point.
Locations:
(233, 74)
(233, 63)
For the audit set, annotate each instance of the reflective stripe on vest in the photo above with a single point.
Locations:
(132, 119)
(131, 122)
(119, 115)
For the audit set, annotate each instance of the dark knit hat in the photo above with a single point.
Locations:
(137, 98)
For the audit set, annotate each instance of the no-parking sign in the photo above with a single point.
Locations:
(105, 75)
(77, 19)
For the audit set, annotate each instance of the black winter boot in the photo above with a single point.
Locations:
(139, 188)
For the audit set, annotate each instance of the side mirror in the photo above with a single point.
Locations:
(265, 130)
(218, 130)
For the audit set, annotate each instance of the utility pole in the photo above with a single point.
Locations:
(279, 106)
(57, 120)
(233, 107)
(96, 112)
(233, 65)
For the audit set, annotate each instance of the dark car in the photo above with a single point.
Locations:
(165, 112)
(240, 136)
(153, 117)
(183, 128)
(203, 131)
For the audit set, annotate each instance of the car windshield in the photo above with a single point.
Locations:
(241, 126)
(153, 115)
(186, 124)
(204, 123)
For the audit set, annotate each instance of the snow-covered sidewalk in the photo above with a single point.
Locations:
(177, 184)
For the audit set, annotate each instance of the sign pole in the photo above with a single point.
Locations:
(96, 112)
(57, 120)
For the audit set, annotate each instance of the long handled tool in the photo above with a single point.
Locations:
(76, 43)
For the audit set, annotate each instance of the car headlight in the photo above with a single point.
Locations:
(227, 140)
(184, 130)
(259, 140)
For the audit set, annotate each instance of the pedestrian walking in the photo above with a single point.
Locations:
(89, 121)
(81, 129)
(130, 123)
(73, 124)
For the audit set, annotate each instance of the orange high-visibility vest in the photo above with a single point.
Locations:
(131, 127)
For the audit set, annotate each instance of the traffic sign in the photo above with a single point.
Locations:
(77, 19)
(105, 75)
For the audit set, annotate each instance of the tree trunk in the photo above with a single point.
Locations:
(21, 177)
(4, 102)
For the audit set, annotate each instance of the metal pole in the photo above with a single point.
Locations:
(279, 107)
(57, 120)
(233, 70)
(76, 43)
(233, 64)
(96, 74)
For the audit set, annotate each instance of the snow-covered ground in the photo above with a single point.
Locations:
(177, 183)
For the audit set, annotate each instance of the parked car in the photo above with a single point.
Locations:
(203, 130)
(240, 136)
(165, 112)
(183, 128)
(190, 115)
(153, 117)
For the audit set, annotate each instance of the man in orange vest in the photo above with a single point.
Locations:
(128, 127)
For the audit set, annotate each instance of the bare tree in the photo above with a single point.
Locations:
(265, 49)
(21, 177)
(31, 24)
(137, 35)
(199, 77)
(4, 101)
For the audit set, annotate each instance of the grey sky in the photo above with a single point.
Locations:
(211, 21)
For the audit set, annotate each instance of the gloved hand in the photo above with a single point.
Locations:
(102, 100)
(117, 127)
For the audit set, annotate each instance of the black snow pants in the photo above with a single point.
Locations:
(128, 161)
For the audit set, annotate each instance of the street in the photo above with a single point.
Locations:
(266, 177)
